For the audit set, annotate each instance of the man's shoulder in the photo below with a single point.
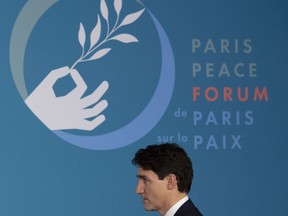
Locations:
(188, 209)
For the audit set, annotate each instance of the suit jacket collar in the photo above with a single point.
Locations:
(188, 209)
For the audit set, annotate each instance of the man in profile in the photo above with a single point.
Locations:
(164, 180)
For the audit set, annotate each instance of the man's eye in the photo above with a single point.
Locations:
(145, 181)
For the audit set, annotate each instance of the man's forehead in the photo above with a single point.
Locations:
(141, 171)
(145, 173)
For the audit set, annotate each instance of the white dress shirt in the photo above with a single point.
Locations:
(176, 206)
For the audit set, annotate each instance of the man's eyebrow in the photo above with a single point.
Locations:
(141, 176)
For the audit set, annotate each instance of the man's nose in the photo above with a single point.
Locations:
(139, 188)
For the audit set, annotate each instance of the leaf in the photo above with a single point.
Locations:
(95, 34)
(104, 9)
(81, 35)
(99, 54)
(118, 6)
(125, 38)
(131, 18)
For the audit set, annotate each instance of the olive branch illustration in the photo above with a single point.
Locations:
(95, 51)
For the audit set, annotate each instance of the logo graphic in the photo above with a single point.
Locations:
(79, 109)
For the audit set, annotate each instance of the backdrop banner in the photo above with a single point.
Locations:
(85, 84)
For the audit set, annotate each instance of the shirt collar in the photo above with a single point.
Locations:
(176, 206)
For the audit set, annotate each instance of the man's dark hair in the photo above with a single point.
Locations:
(165, 159)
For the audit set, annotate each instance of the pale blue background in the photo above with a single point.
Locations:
(41, 175)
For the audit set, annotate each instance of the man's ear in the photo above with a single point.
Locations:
(171, 182)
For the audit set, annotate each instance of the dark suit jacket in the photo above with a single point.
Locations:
(188, 209)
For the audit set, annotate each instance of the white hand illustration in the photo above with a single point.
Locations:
(70, 111)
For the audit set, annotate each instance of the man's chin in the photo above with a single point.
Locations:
(149, 208)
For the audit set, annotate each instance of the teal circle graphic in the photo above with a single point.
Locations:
(124, 136)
